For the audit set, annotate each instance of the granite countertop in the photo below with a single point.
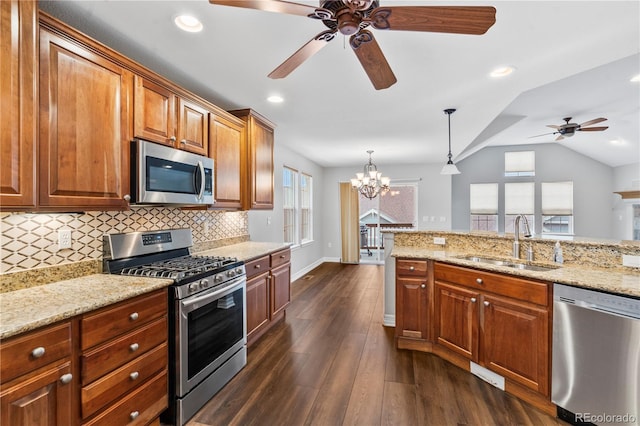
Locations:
(30, 308)
(625, 283)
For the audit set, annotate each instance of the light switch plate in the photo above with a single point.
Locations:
(631, 261)
(439, 240)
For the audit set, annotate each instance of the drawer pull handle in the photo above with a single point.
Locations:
(37, 352)
(134, 415)
(134, 316)
(479, 280)
(134, 347)
(134, 375)
(486, 303)
(411, 268)
(473, 300)
(423, 286)
(66, 378)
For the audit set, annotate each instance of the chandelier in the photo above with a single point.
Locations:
(370, 182)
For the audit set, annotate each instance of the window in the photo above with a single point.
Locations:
(483, 201)
(297, 206)
(518, 199)
(557, 207)
(520, 163)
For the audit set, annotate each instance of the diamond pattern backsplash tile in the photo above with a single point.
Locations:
(29, 241)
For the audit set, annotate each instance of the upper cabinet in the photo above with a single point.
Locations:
(226, 147)
(85, 103)
(18, 121)
(259, 141)
(164, 117)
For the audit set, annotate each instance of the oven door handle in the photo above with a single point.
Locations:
(196, 302)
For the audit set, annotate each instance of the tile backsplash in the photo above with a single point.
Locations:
(30, 240)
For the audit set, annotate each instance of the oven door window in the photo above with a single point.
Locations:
(213, 329)
(169, 176)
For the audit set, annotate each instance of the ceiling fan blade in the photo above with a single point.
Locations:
(553, 126)
(592, 129)
(559, 138)
(594, 121)
(372, 59)
(439, 19)
(305, 52)
(269, 6)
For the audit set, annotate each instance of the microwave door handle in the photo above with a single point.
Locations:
(202, 179)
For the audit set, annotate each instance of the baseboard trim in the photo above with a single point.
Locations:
(389, 320)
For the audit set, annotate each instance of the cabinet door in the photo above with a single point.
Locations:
(154, 115)
(261, 159)
(280, 288)
(18, 121)
(411, 300)
(193, 127)
(516, 341)
(44, 398)
(225, 147)
(84, 127)
(456, 319)
(257, 303)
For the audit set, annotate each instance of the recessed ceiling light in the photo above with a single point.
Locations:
(616, 142)
(188, 23)
(635, 78)
(275, 99)
(502, 71)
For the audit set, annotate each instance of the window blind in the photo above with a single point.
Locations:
(519, 198)
(483, 198)
(557, 198)
(519, 161)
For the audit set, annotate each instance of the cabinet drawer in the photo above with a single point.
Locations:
(280, 258)
(106, 358)
(257, 266)
(140, 407)
(34, 350)
(119, 319)
(411, 268)
(522, 289)
(115, 384)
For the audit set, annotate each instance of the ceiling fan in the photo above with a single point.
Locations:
(352, 17)
(569, 129)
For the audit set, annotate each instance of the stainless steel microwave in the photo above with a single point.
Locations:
(165, 175)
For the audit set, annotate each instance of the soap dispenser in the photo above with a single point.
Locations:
(557, 253)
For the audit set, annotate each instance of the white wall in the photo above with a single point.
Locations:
(624, 178)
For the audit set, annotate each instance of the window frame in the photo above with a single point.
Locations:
(295, 193)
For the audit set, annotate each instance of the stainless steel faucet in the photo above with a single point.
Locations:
(527, 233)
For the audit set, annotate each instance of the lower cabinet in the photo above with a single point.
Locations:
(412, 297)
(268, 292)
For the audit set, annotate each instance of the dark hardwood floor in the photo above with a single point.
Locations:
(332, 362)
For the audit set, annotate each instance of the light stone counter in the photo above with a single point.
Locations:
(27, 309)
(245, 251)
(610, 280)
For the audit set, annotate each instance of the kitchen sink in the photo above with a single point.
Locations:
(509, 263)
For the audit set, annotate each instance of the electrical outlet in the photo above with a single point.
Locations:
(64, 239)
(439, 240)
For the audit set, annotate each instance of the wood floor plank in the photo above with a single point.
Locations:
(398, 405)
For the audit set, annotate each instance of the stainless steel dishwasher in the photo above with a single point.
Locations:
(596, 357)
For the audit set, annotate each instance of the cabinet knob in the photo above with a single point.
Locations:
(134, 347)
(127, 197)
(134, 415)
(257, 266)
(473, 300)
(183, 141)
(172, 138)
(134, 375)
(37, 352)
(411, 268)
(133, 316)
(66, 378)
(423, 286)
(486, 303)
(282, 256)
(479, 280)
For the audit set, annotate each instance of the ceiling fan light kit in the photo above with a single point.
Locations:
(370, 182)
(352, 17)
(450, 168)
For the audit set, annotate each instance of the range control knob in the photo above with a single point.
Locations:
(239, 271)
(231, 273)
(218, 278)
(193, 287)
(204, 283)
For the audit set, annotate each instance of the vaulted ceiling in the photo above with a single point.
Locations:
(572, 59)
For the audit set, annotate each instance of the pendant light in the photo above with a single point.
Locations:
(450, 168)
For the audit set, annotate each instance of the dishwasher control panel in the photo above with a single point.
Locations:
(597, 300)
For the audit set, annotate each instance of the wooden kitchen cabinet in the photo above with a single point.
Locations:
(498, 321)
(85, 102)
(123, 362)
(413, 289)
(19, 118)
(162, 116)
(259, 142)
(227, 148)
(268, 292)
(37, 378)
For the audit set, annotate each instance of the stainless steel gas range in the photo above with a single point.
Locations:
(207, 317)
